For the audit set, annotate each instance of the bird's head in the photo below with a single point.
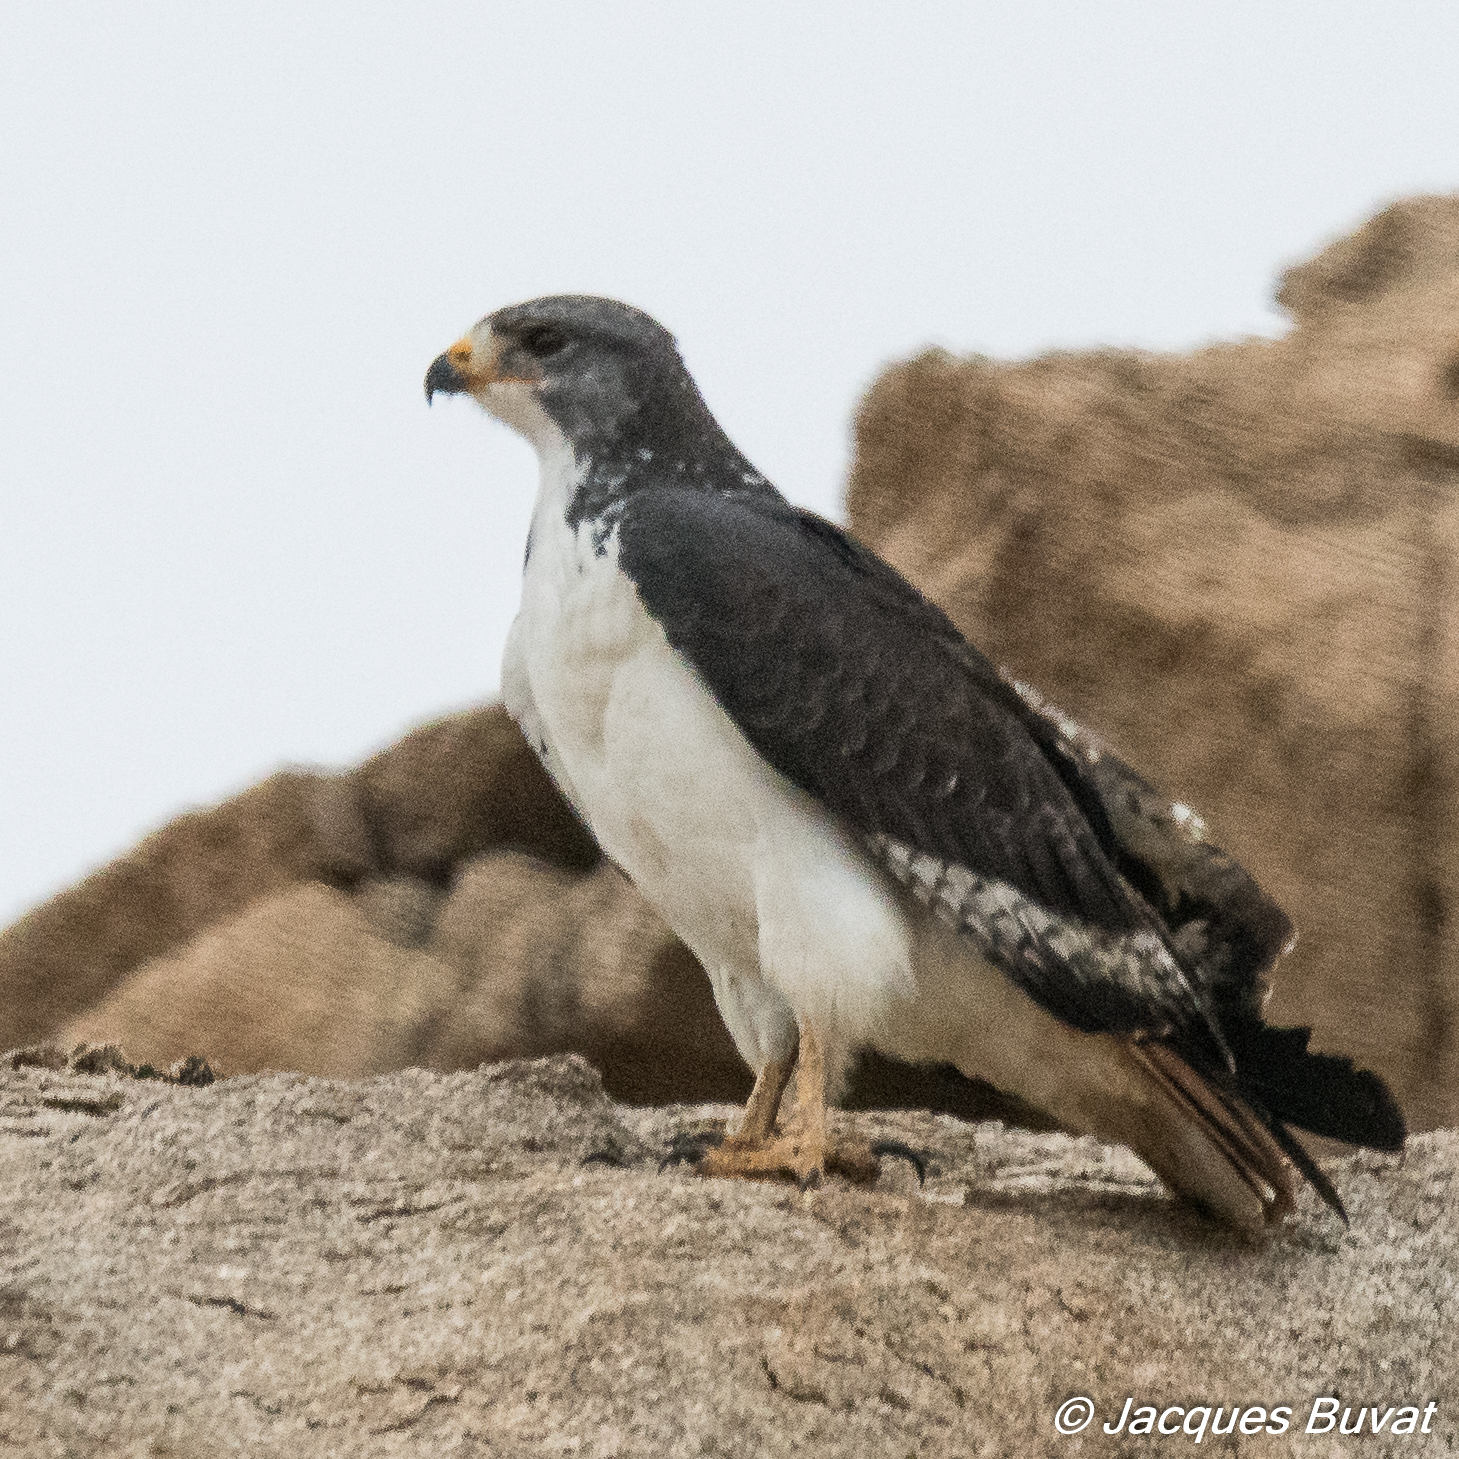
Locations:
(592, 371)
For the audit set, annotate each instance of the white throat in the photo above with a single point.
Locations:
(559, 475)
(515, 403)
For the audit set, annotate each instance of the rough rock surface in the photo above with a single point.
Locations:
(522, 958)
(492, 1263)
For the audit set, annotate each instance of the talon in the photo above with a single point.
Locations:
(686, 1149)
(607, 1157)
(915, 1158)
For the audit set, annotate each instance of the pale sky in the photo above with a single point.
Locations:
(233, 237)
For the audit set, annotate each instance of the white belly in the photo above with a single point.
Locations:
(777, 901)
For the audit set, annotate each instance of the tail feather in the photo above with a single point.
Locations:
(1215, 1136)
(1236, 1144)
(1309, 1168)
(1277, 1082)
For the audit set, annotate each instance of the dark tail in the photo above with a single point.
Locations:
(1321, 1093)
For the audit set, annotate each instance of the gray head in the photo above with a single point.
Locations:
(602, 378)
(594, 367)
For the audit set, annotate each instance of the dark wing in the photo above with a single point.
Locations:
(863, 694)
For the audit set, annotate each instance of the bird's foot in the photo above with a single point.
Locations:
(737, 1158)
(793, 1157)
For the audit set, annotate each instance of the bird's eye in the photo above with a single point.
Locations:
(542, 340)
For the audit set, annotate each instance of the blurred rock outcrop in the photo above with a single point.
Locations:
(1239, 567)
(439, 905)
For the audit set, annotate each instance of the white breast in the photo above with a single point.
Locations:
(774, 897)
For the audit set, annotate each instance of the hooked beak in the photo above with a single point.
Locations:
(475, 362)
(455, 373)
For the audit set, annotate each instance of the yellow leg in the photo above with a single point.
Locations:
(763, 1105)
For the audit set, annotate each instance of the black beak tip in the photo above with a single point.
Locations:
(444, 378)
